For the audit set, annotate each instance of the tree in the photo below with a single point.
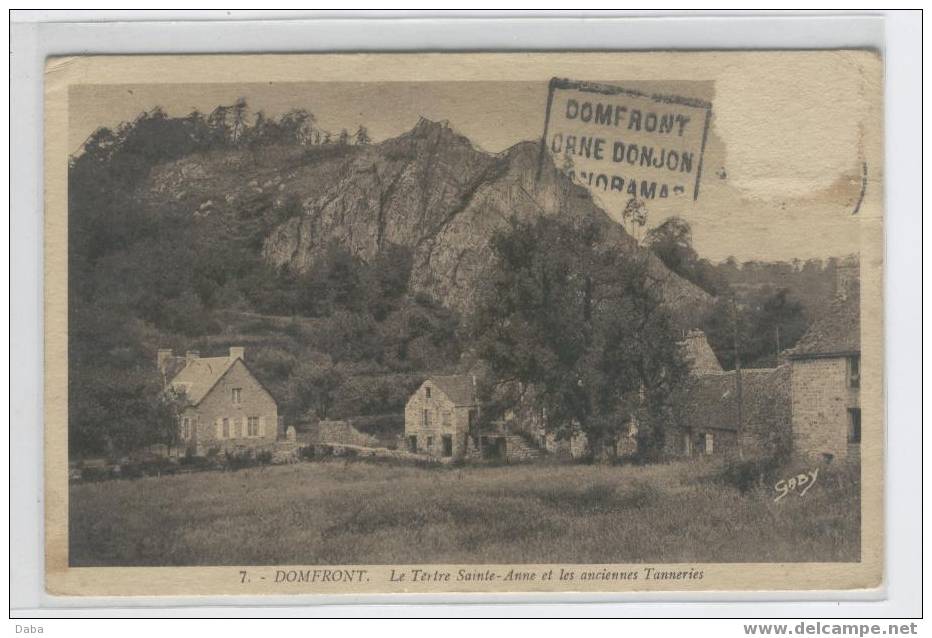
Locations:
(239, 112)
(584, 325)
(219, 125)
(569, 166)
(765, 322)
(634, 217)
(265, 130)
(198, 129)
(672, 242)
(362, 136)
(166, 412)
(297, 126)
(344, 137)
(314, 382)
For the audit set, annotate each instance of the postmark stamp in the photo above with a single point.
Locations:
(621, 140)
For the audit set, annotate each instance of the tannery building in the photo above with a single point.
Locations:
(442, 416)
(826, 380)
(706, 410)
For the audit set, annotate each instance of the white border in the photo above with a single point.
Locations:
(36, 35)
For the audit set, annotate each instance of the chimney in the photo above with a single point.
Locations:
(190, 356)
(162, 358)
(238, 352)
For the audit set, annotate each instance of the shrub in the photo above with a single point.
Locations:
(746, 474)
(132, 470)
(380, 424)
(239, 460)
(157, 467)
(306, 452)
(194, 462)
(95, 473)
(264, 457)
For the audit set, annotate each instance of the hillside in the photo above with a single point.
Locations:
(348, 271)
(428, 190)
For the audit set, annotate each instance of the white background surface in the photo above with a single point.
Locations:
(897, 34)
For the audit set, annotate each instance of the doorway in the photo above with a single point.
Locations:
(493, 447)
(447, 445)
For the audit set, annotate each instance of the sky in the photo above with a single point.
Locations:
(782, 168)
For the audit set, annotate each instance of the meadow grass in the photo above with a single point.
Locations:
(364, 512)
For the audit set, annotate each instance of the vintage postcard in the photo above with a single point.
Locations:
(523, 322)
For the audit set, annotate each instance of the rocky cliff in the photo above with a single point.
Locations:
(429, 190)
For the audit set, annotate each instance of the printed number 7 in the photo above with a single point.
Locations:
(242, 576)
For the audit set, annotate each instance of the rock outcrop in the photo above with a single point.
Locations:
(428, 190)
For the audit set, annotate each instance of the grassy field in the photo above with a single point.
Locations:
(361, 512)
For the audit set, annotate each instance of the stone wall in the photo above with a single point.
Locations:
(519, 449)
(341, 433)
(821, 398)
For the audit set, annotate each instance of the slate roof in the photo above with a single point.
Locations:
(200, 375)
(836, 332)
(711, 400)
(458, 388)
(699, 354)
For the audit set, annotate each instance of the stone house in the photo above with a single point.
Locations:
(442, 417)
(227, 409)
(826, 379)
(706, 411)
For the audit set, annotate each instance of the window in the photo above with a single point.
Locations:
(252, 426)
(854, 371)
(854, 425)
(709, 443)
(237, 395)
(446, 418)
(226, 428)
(426, 418)
(427, 392)
(186, 427)
(430, 443)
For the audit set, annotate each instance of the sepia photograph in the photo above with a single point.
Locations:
(470, 329)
